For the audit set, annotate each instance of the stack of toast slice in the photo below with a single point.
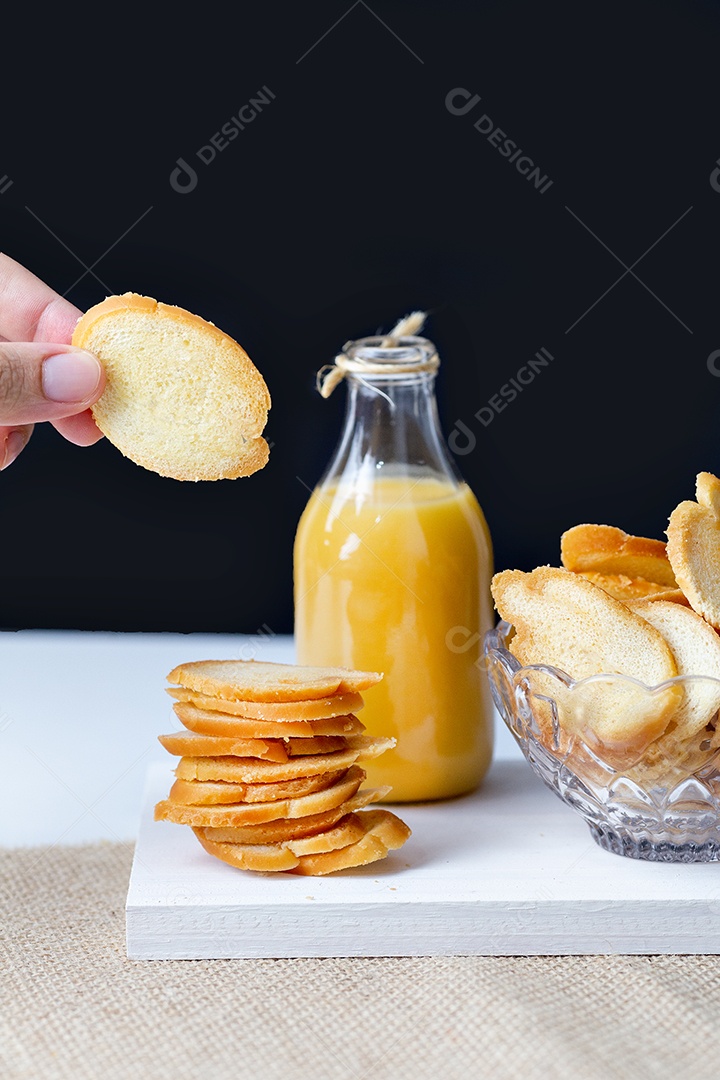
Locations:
(270, 773)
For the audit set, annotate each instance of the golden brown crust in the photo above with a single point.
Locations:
(358, 839)
(134, 302)
(370, 747)
(259, 680)
(347, 831)
(606, 549)
(336, 705)
(384, 832)
(216, 723)
(255, 770)
(206, 792)
(272, 832)
(239, 770)
(110, 306)
(316, 744)
(629, 590)
(192, 744)
(251, 813)
(258, 857)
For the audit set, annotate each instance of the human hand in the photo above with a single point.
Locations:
(41, 376)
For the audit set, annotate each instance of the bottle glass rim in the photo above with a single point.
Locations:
(406, 351)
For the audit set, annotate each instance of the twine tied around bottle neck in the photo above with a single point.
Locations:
(329, 376)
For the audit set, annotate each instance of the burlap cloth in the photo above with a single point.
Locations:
(73, 1006)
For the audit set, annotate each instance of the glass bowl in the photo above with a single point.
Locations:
(656, 800)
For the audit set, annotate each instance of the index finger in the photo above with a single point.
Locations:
(30, 310)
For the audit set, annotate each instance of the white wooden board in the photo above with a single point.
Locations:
(507, 871)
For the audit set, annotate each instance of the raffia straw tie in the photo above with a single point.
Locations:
(329, 376)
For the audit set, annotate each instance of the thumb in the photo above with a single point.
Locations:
(45, 382)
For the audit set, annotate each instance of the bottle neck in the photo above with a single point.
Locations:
(391, 429)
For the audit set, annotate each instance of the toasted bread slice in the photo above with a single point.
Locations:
(181, 397)
(617, 717)
(192, 744)
(670, 760)
(564, 621)
(258, 857)
(215, 723)
(251, 813)
(348, 830)
(207, 792)
(630, 590)
(369, 747)
(605, 549)
(358, 839)
(316, 744)
(707, 492)
(278, 712)
(241, 770)
(267, 856)
(693, 548)
(696, 648)
(271, 832)
(384, 832)
(238, 770)
(259, 680)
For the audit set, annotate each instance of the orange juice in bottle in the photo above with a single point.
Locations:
(393, 562)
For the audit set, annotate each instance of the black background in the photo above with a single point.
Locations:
(353, 197)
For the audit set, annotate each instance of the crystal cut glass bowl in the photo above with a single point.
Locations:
(659, 801)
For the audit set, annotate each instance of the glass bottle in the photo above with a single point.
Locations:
(392, 565)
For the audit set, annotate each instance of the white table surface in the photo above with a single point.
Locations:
(79, 718)
(80, 713)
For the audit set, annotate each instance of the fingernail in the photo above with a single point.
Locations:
(71, 376)
(14, 443)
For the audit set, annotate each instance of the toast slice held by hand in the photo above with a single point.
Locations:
(181, 398)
